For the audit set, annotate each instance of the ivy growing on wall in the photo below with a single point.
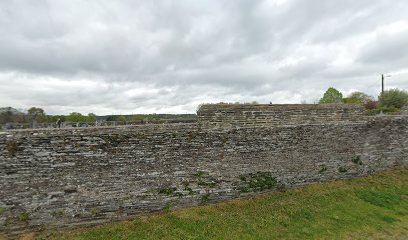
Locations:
(256, 182)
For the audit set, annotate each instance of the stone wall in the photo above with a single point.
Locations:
(65, 177)
(405, 110)
(225, 115)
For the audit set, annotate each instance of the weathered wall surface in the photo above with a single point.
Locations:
(226, 115)
(71, 176)
(405, 110)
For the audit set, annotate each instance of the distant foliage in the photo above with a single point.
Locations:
(78, 117)
(387, 110)
(332, 95)
(372, 105)
(121, 119)
(36, 114)
(358, 98)
(75, 117)
(54, 118)
(10, 114)
(91, 117)
(394, 98)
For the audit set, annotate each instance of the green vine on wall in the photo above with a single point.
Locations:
(167, 191)
(357, 160)
(256, 182)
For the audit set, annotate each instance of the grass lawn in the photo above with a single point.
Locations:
(374, 207)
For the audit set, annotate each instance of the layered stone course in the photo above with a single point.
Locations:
(405, 110)
(69, 177)
(233, 115)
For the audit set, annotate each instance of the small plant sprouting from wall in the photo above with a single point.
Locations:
(342, 169)
(2, 210)
(257, 182)
(204, 180)
(200, 174)
(58, 214)
(323, 169)
(23, 217)
(357, 160)
(94, 212)
(167, 191)
(205, 198)
(211, 183)
(178, 194)
(188, 188)
(12, 148)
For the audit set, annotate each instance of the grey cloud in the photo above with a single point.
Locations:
(176, 54)
(390, 50)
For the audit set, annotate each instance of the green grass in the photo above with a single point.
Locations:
(374, 207)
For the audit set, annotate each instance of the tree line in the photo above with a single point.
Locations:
(38, 115)
(390, 101)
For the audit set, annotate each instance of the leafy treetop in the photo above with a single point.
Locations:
(358, 98)
(36, 114)
(394, 98)
(332, 95)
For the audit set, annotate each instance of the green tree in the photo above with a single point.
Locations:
(36, 115)
(121, 119)
(394, 98)
(332, 95)
(358, 98)
(54, 118)
(91, 117)
(75, 117)
(10, 114)
(137, 118)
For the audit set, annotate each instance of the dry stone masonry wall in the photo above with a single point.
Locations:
(66, 177)
(405, 110)
(228, 115)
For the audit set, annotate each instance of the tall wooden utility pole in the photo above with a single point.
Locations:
(382, 84)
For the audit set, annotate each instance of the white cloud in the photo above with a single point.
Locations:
(169, 56)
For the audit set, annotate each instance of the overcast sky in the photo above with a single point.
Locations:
(168, 56)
